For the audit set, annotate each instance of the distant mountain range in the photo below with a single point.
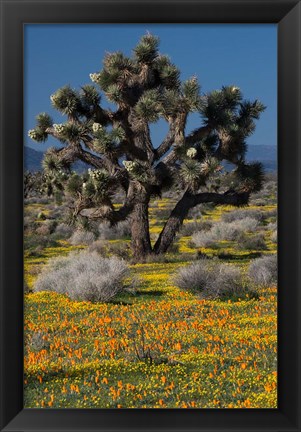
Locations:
(262, 153)
(33, 161)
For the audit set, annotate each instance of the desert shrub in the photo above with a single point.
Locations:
(163, 213)
(192, 227)
(63, 231)
(81, 237)
(194, 213)
(154, 258)
(119, 231)
(247, 224)
(268, 194)
(211, 279)
(105, 248)
(255, 242)
(29, 223)
(230, 231)
(36, 242)
(224, 231)
(46, 228)
(259, 202)
(274, 236)
(242, 214)
(271, 214)
(98, 246)
(120, 250)
(43, 230)
(36, 200)
(263, 271)
(84, 276)
(204, 239)
(271, 226)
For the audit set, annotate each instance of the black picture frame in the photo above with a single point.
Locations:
(287, 15)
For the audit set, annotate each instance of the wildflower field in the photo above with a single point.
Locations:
(155, 345)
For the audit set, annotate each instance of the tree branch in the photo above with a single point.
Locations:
(182, 208)
(227, 198)
(197, 135)
(191, 139)
(108, 213)
(166, 143)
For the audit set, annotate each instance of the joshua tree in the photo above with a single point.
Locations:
(117, 143)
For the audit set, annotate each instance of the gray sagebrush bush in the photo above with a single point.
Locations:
(274, 236)
(82, 237)
(204, 239)
(119, 231)
(220, 231)
(43, 230)
(63, 231)
(242, 214)
(190, 228)
(255, 242)
(211, 279)
(271, 226)
(84, 276)
(263, 271)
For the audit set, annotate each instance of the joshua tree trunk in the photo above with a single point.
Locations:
(172, 226)
(141, 244)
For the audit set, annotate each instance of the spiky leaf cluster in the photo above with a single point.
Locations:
(51, 162)
(74, 184)
(44, 121)
(38, 135)
(250, 176)
(170, 101)
(66, 100)
(149, 106)
(106, 142)
(117, 70)
(89, 96)
(191, 94)
(69, 131)
(97, 187)
(191, 174)
(136, 170)
(114, 93)
(147, 49)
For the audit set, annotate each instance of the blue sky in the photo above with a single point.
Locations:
(218, 54)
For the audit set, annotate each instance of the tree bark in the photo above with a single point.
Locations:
(173, 225)
(141, 244)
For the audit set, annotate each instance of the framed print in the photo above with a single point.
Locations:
(150, 208)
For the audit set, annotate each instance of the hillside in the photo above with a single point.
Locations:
(33, 161)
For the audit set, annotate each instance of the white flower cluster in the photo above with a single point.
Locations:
(95, 175)
(191, 152)
(234, 89)
(59, 128)
(33, 134)
(129, 165)
(94, 77)
(96, 127)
